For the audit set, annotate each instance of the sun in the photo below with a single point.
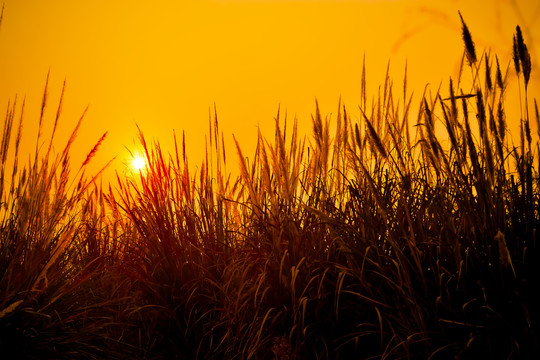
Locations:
(138, 163)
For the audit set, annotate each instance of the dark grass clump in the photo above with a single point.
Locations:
(387, 238)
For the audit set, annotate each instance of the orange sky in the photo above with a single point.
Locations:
(162, 64)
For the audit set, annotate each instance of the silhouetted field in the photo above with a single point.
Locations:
(376, 240)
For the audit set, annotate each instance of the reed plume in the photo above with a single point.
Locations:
(470, 49)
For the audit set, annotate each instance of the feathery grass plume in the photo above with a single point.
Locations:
(6, 135)
(4, 147)
(526, 65)
(357, 136)
(433, 143)
(16, 146)
(317, 125)
(467, 39)
(499, 77)
(521, 52)
(337, 137)
(405, 84)
(501, 117)
(94, 150)
(453, 102)
(527, 128)
(375, 140)
(427, 113)
(42, 113)
(489, 84)
(492, 124)
(346, 123)
(481, 113)
(520, 44)
(387, 91)
(515, 56)
(363, 99)
(489, 158)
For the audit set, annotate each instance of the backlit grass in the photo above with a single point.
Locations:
(404, 235)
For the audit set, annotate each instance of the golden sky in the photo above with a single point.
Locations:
(162, 64)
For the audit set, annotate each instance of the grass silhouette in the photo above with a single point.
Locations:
(378, 240)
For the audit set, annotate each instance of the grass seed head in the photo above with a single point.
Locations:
(499, 77)
(375, 140)
(94, 150)
(469, 43)
(501, 117)
(515, 56)
(489, 84)
(521, 56)
(526, 65)
(481, 113)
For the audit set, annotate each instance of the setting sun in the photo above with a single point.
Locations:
(138, 163)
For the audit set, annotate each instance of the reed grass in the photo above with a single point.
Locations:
(380, 240)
